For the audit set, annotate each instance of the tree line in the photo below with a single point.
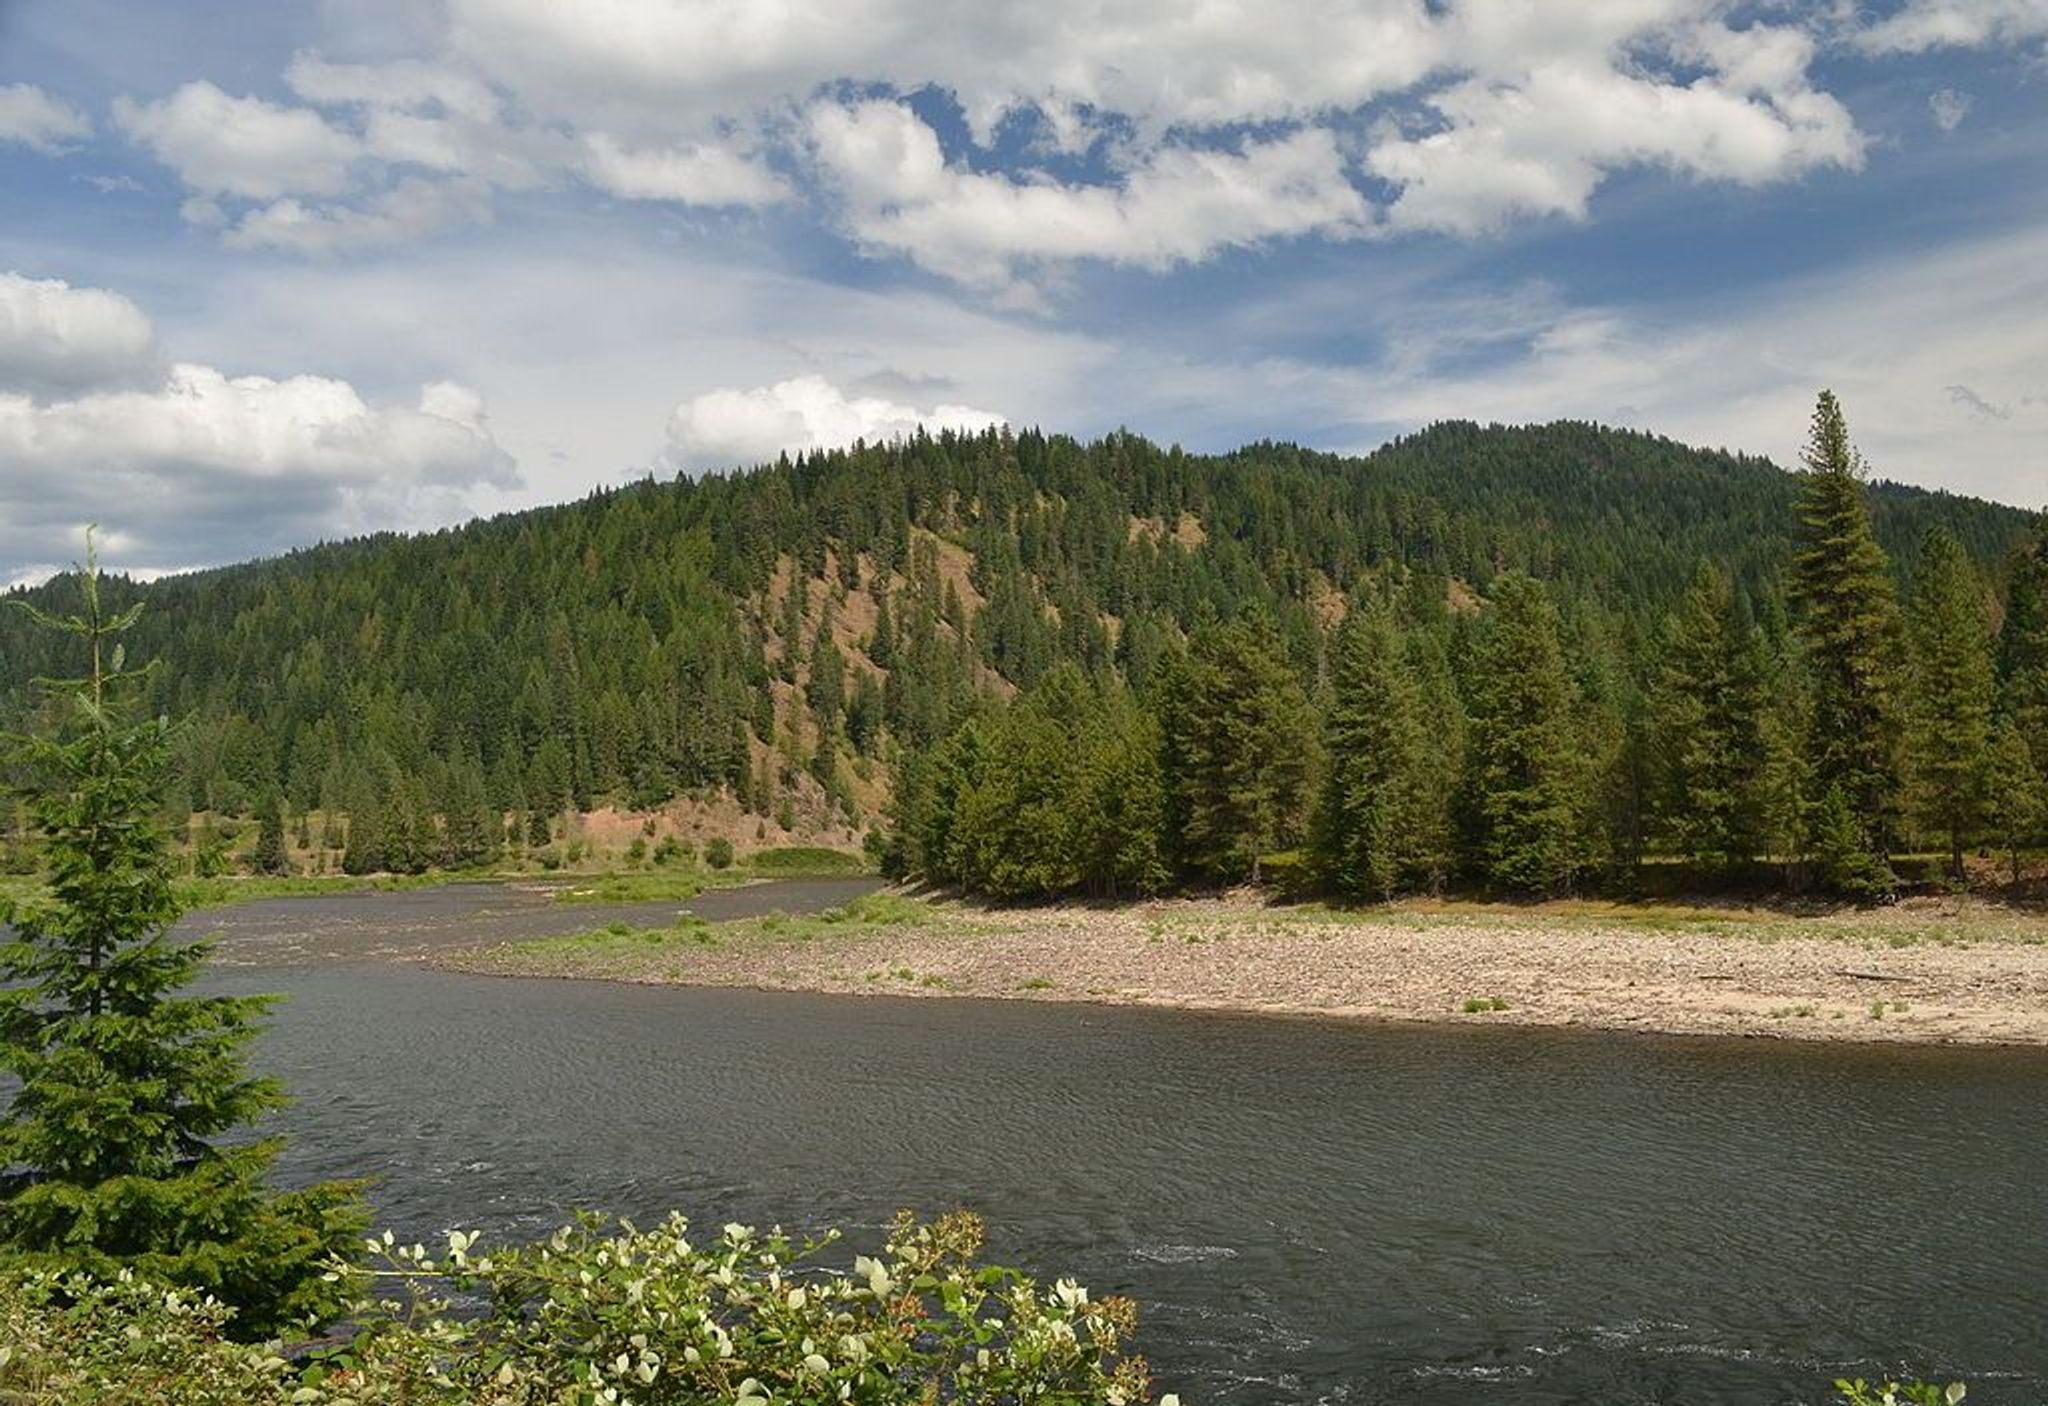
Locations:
(795, 638)
(1528, 744)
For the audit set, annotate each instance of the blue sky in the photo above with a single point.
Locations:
(275, 272)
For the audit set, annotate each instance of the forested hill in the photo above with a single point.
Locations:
(779, 637)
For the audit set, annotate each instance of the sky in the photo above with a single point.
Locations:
(273, 272)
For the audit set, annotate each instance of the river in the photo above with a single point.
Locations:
(1308, 1210)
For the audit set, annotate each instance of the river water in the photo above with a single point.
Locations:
(1308, 1210)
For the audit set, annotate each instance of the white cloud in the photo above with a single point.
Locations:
(56, 339)
(220, 144)
(1539, 141)
(404, 85)
(410, 209)
(1179, 206)
(1224, 125)
(188, 463)
(621, 63)
(735, 428)
(1948, 108)
(696, 174)
(33, 118)
(1920, 25)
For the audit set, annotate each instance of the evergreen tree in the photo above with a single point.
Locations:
(2014, 803)
(1444, 729)
(109, 1142)
(1371, 818)
(270, 856)
(1849, 623)
(2023, 644)
(364, 850)
(1709, 710)
(1242, 748)
(1529, 776)
(470, 825)
(1949, 702)
(1842, 857)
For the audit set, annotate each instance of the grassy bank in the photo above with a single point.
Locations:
(636, 885)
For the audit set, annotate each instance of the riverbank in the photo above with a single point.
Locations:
(1929, 971)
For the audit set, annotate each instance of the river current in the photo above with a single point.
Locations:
(1308, 1211)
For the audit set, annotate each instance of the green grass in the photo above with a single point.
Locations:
(1480, 1004)
(621, 942)
(806, 861)
(230, 889)
(655, 887)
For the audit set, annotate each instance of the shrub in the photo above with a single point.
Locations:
(605, 1314)
(718, 852)
(804, 859)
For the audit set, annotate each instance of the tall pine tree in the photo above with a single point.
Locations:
(1848, 621)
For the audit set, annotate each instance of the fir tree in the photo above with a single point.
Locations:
(1371, 817)
(1843, 857)
(2013, 802)
(364, 851)
(1949, 704)
(1242, 749)
(2023, 644)
(270, 856)
(109, 1143)
(1849, 623)
(1708, 716)
(1529, 777)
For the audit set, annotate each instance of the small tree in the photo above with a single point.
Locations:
(270, 856)
(2013, 800)
(123, 1084)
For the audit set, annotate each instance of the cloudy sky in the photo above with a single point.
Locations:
(273, 271)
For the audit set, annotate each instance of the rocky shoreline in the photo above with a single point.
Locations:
(1936, 972)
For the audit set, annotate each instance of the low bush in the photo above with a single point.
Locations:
(602, 1315)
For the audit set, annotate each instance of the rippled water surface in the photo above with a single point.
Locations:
(1309, 1211)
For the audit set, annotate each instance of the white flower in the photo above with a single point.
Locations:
(1070, 1293)
(817, 1364)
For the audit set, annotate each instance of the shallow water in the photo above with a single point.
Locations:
(1309, 1210)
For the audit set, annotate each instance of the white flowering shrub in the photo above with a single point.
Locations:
(602, 1315)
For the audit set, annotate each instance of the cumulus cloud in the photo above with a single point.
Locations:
(1540, 141)
(697, 174)
(220, 144)
(732, 427)
(56, 339)
(1179, 206)
(33, 118)
(190, 464)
